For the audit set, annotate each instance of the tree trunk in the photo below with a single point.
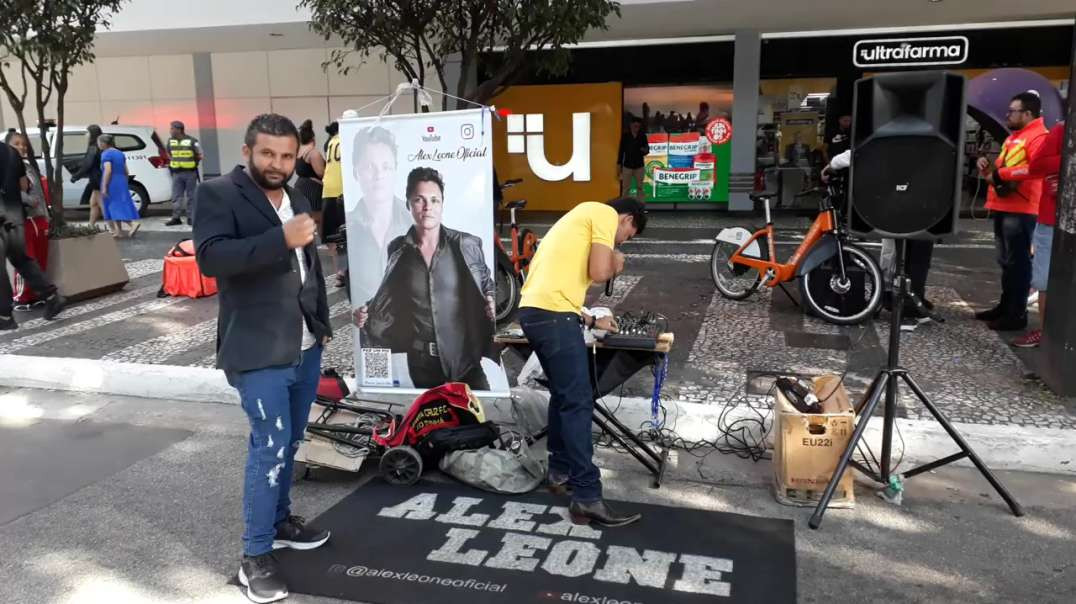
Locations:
(56, 184)
(1059, 331)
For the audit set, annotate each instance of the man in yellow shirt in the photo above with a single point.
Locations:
(577, 251)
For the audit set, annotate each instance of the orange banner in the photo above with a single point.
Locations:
(562, 140)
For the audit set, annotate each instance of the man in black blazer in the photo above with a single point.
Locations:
(254, 234)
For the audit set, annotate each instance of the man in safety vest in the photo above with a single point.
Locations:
(1013, 198)
(184, 154)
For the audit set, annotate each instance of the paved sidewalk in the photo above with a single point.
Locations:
(972, 373)
(163, 525)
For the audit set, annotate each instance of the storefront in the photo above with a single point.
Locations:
(804, 85)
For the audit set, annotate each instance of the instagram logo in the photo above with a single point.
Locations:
(467, 131)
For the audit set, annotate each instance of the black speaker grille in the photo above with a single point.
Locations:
(903, 185)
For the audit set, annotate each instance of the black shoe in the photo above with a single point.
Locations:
(173, 222)
(599, 512)
(292, 534)
(1008, 324)
(912, 323)
(8, 323)
(262, 577)
(54, 305)
(989, 315)
(558, 487)
(189, 223)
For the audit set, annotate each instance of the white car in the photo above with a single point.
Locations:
(147, 162)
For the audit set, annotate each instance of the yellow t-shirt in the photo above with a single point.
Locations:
(559, 272)
(332, 183)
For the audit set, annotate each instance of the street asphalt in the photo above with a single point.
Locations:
(112, 499)
(162, 524)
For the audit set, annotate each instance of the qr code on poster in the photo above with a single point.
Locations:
(377, 367)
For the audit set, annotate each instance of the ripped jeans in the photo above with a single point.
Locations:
(277, 402)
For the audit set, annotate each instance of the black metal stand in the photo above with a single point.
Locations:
(607, 376)
(886, 383)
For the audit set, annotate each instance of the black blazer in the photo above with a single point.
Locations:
(240, 242)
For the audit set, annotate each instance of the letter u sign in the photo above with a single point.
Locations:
(526, 134)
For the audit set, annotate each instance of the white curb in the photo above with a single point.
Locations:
(1001, 447)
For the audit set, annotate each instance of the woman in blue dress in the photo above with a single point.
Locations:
(119, 208)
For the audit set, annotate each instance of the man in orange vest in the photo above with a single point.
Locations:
(1013, 197)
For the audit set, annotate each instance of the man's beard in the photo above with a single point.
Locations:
(259, 178)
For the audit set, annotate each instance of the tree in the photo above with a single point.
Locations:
(420, 35)
(41, 42)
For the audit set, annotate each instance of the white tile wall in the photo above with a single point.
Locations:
(316, 109)
(239, 75)
(154, 90)
(297, 73)
(83, 84)
(124, 78)
(172, 76)
(233, 116)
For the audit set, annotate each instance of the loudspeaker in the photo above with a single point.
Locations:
(907, 155)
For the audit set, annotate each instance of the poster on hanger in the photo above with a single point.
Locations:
(418, 199)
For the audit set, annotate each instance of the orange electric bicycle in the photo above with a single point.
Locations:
(839, 282)
(512, 263)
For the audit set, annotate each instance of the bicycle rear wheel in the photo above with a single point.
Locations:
(845, 303)
(506, 300)
(735, 282)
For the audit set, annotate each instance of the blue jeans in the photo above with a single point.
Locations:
(277, 402)
(1012, 234)
(557, 339)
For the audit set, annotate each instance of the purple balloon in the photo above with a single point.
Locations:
(989, 96)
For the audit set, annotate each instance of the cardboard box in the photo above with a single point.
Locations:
(318, 451)
(807, 447)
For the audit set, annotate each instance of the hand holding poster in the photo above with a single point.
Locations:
(418, 193)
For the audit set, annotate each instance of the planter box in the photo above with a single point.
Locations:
(86, 267)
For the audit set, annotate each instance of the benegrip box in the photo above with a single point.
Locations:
(807, 446)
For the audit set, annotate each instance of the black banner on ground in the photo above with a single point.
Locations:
(446, 543)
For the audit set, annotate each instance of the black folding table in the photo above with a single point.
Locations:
(611, 367)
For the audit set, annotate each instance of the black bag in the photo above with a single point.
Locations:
(458, 438)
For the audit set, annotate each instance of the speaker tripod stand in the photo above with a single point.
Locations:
(885, 384)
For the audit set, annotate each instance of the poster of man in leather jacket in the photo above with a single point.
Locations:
(429, 318)
(436, 301)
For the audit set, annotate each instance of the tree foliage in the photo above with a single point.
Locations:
(41, 42)
(420, 35)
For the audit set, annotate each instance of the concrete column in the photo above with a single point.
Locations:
(207, 114)
(745, 77)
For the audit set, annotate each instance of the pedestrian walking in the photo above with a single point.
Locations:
(185, 154)
(116, 200)
(90, 169)
(13, 243)
(36, 224)
(254, 234)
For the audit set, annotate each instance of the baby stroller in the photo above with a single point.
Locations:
(442, 419)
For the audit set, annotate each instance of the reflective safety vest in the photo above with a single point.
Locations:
(182, 153)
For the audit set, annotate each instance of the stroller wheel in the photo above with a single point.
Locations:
(401, 466)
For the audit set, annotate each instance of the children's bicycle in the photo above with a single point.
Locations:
(512, 263)
(839, 281)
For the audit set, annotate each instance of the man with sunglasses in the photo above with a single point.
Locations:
(1013, 197)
